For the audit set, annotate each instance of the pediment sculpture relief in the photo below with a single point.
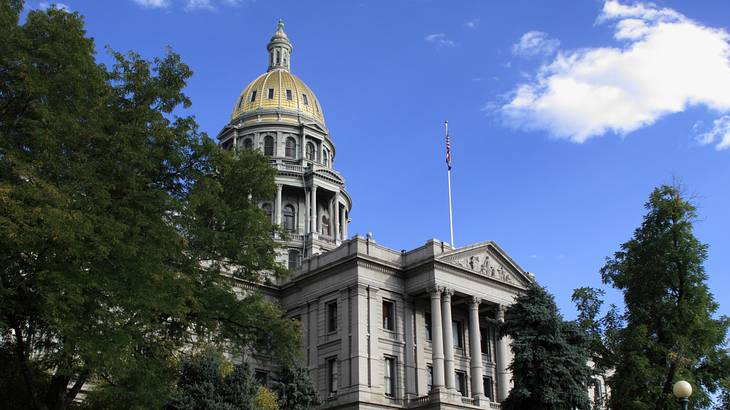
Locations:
(483, 263)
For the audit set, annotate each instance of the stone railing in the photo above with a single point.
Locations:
(468, 400)
(419, 401)
(493, 405)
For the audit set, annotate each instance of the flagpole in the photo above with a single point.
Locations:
(451, 218)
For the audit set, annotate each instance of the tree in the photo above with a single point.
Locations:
(549, 368)
(266, 399)
(669, 331)
(122, 227)
(295, 389)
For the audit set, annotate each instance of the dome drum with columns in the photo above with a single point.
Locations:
(281, 116)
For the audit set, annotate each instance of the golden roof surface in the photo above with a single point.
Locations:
(281, 90)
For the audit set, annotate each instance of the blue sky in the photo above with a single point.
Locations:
(563, 114)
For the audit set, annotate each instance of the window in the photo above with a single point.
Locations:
(325, 157)
(278, 57)
(427, 317)
(289, 224)
(388, 315)
(261, 377)
(389, 381)
(310, 151)
(247, 143)
(288, 95)
(331, 376)
(293, 259)
(486, 346)
(271, 93)
(332, 316)
(290, 150)
(429, 378)
(267, 210)
(457, 333)
(269, 146)
(253, 96)
(304, 97)
(460, 378)
(488, 385)
(325, 228)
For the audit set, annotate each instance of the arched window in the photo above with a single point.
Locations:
(293, 259)
(247, 143)
(326, 157)
(291, 148)
(325, 228)
(289, 222)
(269, 146)
(267, 210)
(310, 151)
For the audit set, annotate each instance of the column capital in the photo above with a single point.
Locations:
(434, 290)
(500, 312)
(474, 302)
(447, 292)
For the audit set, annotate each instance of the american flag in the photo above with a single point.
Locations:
(448, 151)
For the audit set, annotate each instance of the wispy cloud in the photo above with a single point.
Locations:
(719, 134)
(194, 5)
(663, 63)
(472, 24)
(535, 43)
(439, 39)
(154, 4)
(44, 5)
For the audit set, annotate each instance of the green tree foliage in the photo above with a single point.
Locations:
(549, 368)
(668, 330)
(266, 400)
(295, 389)
(122, 227)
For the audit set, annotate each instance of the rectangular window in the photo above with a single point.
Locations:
(261, 377)
(457, 333)
(253, 96)
(288, 95)
(461, 382)
(488, 388)
(271, 93)
(389, 381)
(429, 378)
(304, 97)
(332, 376)
(332, 316)
(427, 319)
(388, 315)
(486, 346)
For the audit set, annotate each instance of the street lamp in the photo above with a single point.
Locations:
(682, 391)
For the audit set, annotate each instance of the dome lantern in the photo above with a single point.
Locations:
(279, 49)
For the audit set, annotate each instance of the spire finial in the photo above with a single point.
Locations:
(279, 48)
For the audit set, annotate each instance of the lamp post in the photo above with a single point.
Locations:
(682, 391)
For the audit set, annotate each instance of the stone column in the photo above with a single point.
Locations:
(475, 344)
(410, 348)
(503, 375)
(345, 224)
(437, 341)
(313, 213)
(448, 339)
(278, 204)
(336, 217)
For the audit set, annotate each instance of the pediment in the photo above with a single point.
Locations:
(316, 126)
(488, 260)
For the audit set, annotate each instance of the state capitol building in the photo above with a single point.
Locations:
(382, 329)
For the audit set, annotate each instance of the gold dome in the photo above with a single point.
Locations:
(280, 91)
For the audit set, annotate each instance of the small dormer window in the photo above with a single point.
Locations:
(304, 98)
(271, 93)
(288, 95)
(253, 96)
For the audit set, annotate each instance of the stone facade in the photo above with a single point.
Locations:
(382, 329)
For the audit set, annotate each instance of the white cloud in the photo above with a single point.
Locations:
(193, 5)
(664, 63)
(44, 5)
(472, 24)
(153, 4)
(535, 43)
(720, 133)
(439, 39)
